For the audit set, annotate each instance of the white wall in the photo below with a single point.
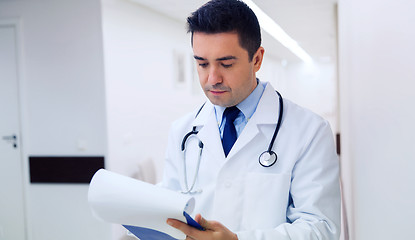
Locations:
(313, 86)
(143, 93)
(377, 117)
(63, 103)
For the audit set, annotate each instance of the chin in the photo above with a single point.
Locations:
(217, 102)
(220, 101)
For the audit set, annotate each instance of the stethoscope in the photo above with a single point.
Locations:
(266, 159)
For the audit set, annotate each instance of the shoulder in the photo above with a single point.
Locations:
(185, 122)
(301, 114)
(293, 113)
(304, 124)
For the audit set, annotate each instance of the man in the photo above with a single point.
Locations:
(298, 196)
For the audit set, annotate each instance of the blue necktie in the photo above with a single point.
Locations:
(229, 131)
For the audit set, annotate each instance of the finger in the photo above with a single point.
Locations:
(203, 222)
(186, 229)
(198, 217)
(206, 224)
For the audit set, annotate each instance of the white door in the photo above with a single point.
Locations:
(12, 211)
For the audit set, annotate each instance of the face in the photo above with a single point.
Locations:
(225, 72)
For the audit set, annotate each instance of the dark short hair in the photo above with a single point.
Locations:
(220, 16)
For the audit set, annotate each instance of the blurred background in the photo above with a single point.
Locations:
(106, 78)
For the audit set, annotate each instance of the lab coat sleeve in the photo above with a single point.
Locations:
(314, 209)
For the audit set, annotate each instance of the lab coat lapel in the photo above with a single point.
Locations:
(265, 114)
(209, 132)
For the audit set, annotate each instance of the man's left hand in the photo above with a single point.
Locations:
(213, 230)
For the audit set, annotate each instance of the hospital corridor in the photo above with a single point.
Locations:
(92, 84)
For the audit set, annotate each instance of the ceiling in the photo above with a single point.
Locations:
(312, 23)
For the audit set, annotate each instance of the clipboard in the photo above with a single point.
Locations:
(142, 208)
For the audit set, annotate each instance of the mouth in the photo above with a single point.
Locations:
(217, 92)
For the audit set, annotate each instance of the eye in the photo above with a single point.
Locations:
(203, 65)
(226, 65)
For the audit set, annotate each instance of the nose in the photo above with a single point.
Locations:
(214, 76)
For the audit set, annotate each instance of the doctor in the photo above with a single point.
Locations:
(214, 152)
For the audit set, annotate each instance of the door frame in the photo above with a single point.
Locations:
(16, 23)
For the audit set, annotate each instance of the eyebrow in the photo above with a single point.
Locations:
(199, 58)
(218, 59)
(226, 58)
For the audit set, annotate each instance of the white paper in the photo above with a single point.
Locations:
(119, 199)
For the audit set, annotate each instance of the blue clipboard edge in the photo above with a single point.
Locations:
(151, 234)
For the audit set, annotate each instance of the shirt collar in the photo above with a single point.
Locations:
(247, 106)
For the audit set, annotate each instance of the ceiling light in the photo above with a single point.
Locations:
(272, 28)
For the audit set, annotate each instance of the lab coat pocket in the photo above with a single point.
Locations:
(265, 200)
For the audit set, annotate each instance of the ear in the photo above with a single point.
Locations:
(257, 59)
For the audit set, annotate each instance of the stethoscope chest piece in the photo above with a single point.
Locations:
(268, 158)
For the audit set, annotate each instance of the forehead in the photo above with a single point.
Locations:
(217, 45)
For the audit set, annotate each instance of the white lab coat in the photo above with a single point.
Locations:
(296, 198)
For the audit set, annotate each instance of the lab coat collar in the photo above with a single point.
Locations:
(206, 124)
(204, 114)
(265, 114)
(268, 107)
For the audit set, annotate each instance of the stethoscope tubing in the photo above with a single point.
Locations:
(195, 132)
(189, 190)
(277, 129)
